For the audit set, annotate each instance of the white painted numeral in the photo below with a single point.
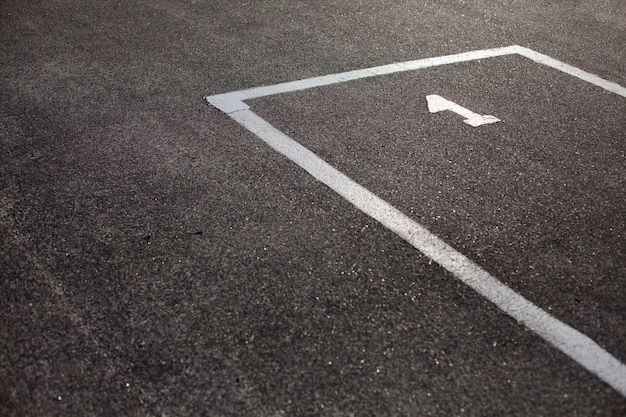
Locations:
(437, 103)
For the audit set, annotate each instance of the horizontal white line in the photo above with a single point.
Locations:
(234, 101)
(227, 102)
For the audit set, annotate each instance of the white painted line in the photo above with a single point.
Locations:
(568, 69)
(456, 58)
(436, 103)
(567, 339)
(227, 101)
(307, 83)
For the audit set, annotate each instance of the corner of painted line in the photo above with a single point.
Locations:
(227, 103)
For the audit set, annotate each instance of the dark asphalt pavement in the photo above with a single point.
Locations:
(157, 259)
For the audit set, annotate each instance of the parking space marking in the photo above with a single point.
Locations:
(570, 341)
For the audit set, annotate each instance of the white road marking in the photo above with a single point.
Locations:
(233, 101)
(567, 339)
(437, 103)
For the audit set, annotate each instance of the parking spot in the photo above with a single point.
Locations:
(500, 193)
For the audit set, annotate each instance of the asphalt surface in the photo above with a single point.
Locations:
(157, 259)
